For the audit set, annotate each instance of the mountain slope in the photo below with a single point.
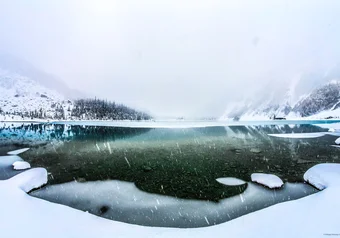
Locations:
(22, 67)
(26, 98)
(321, 102)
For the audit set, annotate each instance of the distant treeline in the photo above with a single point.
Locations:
(91, 109)
(85, 109)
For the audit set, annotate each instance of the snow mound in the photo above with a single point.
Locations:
(299, 135)
(269, 180)
(17, 152)
(30, 179)
(322, 176)
(20, 165)
(230, 181)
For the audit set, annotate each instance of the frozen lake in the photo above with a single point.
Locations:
(176, 164)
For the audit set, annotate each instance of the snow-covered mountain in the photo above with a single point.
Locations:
(22, 97)
(321, 102)
(24, 68)
(27, 93)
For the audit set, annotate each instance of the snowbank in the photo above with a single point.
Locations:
(269, 180)
(30, 179)
(21, 165)
(322, 176)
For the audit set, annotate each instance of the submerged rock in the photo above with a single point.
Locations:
(81, 180)
(255, 150)
(147, 168)
(236, 151)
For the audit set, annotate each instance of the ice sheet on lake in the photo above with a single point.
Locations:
(6, 168)
(21, 165)
(36, 218)
(230, 181)
(17, 152)
(269, 180)
(299, 135)
(123, 201)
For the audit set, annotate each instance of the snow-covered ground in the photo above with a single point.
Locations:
(313, 216)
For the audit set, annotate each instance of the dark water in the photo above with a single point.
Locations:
(183, 163)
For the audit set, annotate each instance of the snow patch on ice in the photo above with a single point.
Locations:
(21, 165)
(299, 135)
(337, 141)
(230, 181)
(17, 152)
(269, 180)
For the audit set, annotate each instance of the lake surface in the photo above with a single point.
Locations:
(182, 163)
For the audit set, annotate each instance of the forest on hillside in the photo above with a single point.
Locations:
(84, 109)
(105, 110)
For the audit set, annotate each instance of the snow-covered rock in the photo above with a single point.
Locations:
(269, 180)
(21, 165)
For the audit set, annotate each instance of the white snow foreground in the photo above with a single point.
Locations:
(269, 180)
(21, 165)
(38, 218)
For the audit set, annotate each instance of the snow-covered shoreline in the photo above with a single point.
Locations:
(312, 216)
(175, 124)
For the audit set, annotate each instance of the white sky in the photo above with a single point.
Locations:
(173, 57)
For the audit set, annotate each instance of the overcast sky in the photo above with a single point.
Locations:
(173, 58)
